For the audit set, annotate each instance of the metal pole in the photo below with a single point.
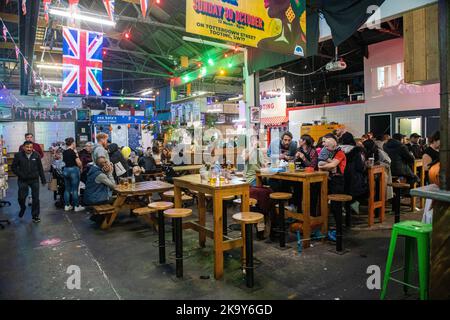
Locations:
(445, 87)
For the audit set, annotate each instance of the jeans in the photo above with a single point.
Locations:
(23, 193)
(71, 183)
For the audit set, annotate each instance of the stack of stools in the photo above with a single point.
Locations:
(411, 230)
(249, 219)
(177, 216)
(281, 198)
(398, 187)
(342, 198)
(160, 206)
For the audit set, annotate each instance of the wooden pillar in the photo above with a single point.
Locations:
(440, 250)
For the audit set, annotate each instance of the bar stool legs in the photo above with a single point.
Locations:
(249, 255)
(178, 247)
(396, 205)
(339, 229)
(162, 240)
(337, 201)
(282, 230)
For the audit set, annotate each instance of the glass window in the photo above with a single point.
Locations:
(409, 125)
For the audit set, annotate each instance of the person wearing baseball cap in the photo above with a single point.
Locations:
(414, 147)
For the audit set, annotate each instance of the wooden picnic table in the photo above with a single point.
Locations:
(306, 178)
(222, 243)
(146, 188)
(195, 168)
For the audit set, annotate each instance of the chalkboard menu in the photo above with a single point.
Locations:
(134, 137)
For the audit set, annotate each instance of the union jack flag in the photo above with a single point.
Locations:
(82, 62)
(144, 7)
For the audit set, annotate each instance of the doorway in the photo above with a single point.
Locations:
(380, 124)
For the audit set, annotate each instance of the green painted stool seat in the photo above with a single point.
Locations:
(412, 231)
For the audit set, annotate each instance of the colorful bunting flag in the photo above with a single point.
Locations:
(24, 7)
(25, 65)
(109, 6)
(17, 52)
(46, 9)
(144, 7)
(5, 33)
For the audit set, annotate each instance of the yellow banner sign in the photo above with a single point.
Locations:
(275, 25)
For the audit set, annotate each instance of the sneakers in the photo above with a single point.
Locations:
(21, 213)
(36, 220)
(332, 235)
(79, 208)
(68, 208)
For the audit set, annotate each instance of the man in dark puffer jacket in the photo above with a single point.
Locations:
(402, 159)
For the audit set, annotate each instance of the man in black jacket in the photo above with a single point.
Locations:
(402, 159)
(27, 166)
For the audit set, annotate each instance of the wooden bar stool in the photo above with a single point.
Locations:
(252, 202)
(248, 219)
(161, 206)
(281, 198)
(342, 198)
(177, 216)
(398, 187)
(170, 196)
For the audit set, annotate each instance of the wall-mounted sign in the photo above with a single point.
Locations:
(255, 114)
(103, 119)
(273, 101)
(275, 25)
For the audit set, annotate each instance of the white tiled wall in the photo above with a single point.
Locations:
(352, 116)
(49, 132)
(13, 134)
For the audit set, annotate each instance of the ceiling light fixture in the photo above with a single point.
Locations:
(50, 66)
(82, 16)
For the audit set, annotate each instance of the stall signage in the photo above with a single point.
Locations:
(273, 98)
(275, 25)
(39, 114)
(104, 119)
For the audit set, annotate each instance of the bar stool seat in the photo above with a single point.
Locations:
(161, 206)
(228, 198)
(253, 202)
(280, 196)
(143, 211)
(248, 219)
(338, 215)
(177, 215)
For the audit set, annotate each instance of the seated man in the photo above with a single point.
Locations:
(100, 183)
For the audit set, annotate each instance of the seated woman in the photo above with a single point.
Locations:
(307, 157)
(431, 154)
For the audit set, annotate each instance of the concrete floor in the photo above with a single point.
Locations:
(121, 263)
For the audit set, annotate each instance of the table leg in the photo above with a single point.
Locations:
(306, 213)
(177, 197)
(324, 205)
(339, 229)
(382, 196)
(259, 180)
(218, 237)
(108, 221)
(201, 218)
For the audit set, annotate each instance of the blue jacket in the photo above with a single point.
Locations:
(95, 193)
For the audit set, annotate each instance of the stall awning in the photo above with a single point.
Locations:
(274, 121)
(163, 116)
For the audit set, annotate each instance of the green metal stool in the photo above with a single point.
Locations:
(410, 230)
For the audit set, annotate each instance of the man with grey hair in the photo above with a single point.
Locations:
(85, 156)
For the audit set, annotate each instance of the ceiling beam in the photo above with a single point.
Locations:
(162, 75)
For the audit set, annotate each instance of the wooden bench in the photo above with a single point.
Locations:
(147, 214)
(109, 211)
(380, 203)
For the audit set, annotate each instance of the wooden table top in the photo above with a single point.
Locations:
(187, 168)
(195, 180)
(144, 187)
(300, 174)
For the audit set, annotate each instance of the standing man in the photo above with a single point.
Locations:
(414, 147)
(101, 148)
(27, 166)
(36, 147)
